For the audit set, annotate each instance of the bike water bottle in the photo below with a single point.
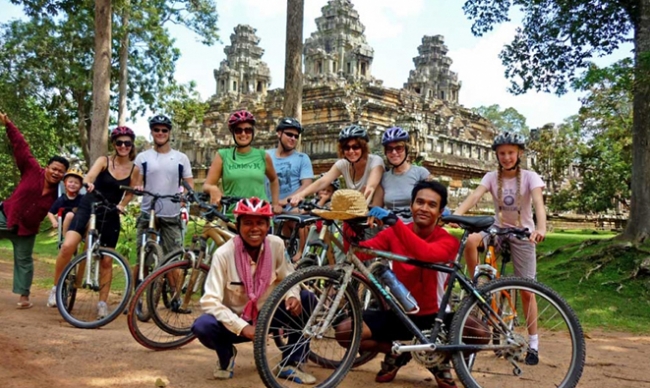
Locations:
(397, 289)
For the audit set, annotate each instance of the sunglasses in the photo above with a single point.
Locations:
(355, 147)
(125, 143)
(292, 135)
(158, 130)
(399, 149)
(239, 131)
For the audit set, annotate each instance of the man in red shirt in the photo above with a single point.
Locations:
(424, 240)
(22, 213)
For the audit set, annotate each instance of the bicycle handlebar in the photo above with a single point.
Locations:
(520, 233)
(135, 191)
(212, 211)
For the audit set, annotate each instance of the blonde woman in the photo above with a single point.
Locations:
(360, 169)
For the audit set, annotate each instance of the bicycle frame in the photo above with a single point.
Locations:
(92, 244)
(150, 233)
(455, 274)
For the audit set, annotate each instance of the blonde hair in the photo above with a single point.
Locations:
(517, 194)
(365, 148)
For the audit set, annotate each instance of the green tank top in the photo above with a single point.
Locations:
(244, 176)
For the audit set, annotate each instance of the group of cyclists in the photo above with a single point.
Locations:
(246, 269)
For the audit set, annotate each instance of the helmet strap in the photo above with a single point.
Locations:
(406, 155)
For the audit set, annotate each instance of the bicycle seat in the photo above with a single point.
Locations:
(300, 218)
(473, 224)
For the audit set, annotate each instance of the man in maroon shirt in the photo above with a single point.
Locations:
(21, 214)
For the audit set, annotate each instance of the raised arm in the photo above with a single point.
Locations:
(211, 181)
(23, 155)
(373, 181)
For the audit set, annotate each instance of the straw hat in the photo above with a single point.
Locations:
(346, 204)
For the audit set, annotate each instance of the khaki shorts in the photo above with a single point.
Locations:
(522, 253)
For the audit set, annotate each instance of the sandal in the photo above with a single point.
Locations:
(390, 366)
(24, 305)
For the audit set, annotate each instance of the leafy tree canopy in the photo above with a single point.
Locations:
(508, 119)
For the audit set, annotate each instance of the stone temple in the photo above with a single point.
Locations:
(339, 88)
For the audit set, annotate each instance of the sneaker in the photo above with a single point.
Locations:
(443, 376)
(223, 374)
(51, 300)
(295, 374)
(532, 357)
(102, 310)
(390, 366)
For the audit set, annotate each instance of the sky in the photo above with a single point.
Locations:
(394, 29)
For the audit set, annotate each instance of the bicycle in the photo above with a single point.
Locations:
(94, 271)
(172, 292)
(151, 252)
(484, 359)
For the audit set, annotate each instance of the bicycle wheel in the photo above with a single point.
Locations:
(313, 330)
(170, 326)
(152, 256)
(501, 363)
(95, 304)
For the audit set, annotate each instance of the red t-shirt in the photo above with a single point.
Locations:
(438, 247)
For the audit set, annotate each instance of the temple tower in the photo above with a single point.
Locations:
(242, 72)
(432, 77)
(337, 51)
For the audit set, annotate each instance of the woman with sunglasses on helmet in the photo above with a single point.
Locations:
(106, 175)
(397, 183)
(242, 168)
(360, 169)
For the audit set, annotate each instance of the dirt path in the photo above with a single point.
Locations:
(38, 348)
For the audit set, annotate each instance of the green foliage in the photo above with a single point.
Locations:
(49, 56)
(185, 106)
(508, 119)
(554, 148)
(126, 245)
(557, 37)
(606, 121)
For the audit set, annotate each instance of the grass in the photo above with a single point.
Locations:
(606, 300)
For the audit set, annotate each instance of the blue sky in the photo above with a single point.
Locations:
(395, 30)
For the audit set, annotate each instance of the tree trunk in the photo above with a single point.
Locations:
(638, 226)
(82, 127)
(124, 69)
(101, 79)
(293, 60)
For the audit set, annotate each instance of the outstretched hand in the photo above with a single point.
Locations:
(4, 119)
(379, 213)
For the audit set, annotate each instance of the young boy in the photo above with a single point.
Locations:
(324, 196)
(68, 201)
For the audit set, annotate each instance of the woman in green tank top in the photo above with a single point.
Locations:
(242, 169)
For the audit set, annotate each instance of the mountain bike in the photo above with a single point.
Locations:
(485, 350)
(172, 292)
(97, 275)
(151, 252)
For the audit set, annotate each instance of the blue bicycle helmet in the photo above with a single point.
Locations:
(394, 134)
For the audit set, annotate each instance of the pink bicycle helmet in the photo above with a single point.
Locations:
(122, 131)
(240, 116)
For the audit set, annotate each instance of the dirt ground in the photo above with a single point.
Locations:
(39, 349)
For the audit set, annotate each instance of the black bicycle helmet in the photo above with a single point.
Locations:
(160, 120)
(509, 138)
(353, 132)
(289, 123)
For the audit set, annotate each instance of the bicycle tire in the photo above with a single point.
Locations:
(275, 302)
(362, 285)
(70, 275)
(568, 350)
(156, 335)
(153, 255)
